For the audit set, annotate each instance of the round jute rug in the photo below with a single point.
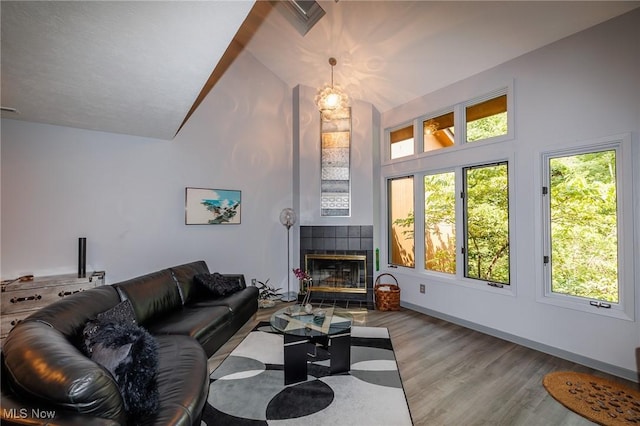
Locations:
(599, 400)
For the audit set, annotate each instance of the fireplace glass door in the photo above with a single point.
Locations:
(337, 273)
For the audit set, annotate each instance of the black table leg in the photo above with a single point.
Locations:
(340, 351)
(295, 359)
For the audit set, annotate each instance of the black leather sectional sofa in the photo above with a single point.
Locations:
(46, 373)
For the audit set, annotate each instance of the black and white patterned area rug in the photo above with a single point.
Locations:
(248, 387)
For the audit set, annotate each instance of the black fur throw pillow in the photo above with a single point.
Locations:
(121, 313)
(218, 284)
(130, 354)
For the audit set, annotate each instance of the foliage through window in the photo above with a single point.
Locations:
(401, 222)
(465, 224)
(486, 222)
(440, 222)
(487, 119)
(583, 221)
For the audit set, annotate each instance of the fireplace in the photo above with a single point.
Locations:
(340, 261)
(337, 272)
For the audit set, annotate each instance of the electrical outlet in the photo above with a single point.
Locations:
(422, 288)
(253, 282)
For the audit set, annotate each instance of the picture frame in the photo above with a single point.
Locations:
(207, 206)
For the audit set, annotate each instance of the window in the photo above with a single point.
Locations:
(487, 119)
(401, 142)
(460, 196)
(440, 222)
(438, 132)
(401, 222)
(486, 223)
(482, 118)
(582, 211)
(587, 201)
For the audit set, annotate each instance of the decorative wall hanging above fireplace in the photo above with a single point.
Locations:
(335, 183)
(205, 206)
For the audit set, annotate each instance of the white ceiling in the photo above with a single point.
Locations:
(132, 67)
(137, 67)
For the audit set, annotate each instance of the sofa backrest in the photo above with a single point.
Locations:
(183, 274)
(70, 314)
(151, 295)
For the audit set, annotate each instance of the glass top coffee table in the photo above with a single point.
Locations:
(329, 326)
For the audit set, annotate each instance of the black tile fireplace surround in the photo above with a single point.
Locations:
(340, 240)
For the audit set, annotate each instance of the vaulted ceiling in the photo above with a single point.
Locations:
(139, 67)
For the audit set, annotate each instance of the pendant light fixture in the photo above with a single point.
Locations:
(331, 97)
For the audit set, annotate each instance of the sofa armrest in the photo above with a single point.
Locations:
(42, 365)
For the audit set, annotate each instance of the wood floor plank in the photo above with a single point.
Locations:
(456, 376)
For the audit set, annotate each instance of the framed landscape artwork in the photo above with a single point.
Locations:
(205, 206)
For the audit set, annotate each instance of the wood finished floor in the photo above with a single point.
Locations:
(456, 376)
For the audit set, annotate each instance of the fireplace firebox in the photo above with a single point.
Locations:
(344, 273)
(345, 284)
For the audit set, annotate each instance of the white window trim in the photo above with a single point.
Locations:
(626, 155)
(460, 120)
(387, 144)
(506, 90)
(458, 278)
(485, 151)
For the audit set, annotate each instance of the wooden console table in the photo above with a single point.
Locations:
(19, 299)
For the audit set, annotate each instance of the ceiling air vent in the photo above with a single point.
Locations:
(302, 14)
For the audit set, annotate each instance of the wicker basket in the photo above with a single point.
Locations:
(387, 295)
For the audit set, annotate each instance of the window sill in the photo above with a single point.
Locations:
(583, 305)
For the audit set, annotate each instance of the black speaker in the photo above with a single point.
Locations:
(82, 257)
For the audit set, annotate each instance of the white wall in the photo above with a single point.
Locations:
(583, 87)
(126, 194)
(361, 168)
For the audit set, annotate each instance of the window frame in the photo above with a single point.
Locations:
(454, 158)
(388, 144)
(388, 181)
(493, 156)
(504, 91)
(420, 146)
(457, 214)
(464, 257)
(625, 190)
(460, 125)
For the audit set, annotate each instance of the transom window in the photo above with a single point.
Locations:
(487, 119)
(402, 142)
(483, 118)
(438, 132)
